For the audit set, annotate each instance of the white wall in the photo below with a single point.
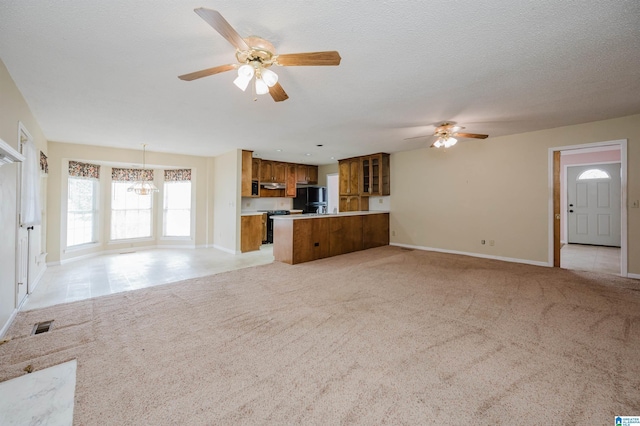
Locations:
(226, 208)
(13, 109)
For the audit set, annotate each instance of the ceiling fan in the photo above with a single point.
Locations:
(446, 134)
(255, 55)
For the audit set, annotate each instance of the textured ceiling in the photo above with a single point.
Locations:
(105, 72)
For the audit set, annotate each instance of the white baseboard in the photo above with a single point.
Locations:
(224, 249)
(634, 276)
(37, 279)
(481, 255)
(6, 326)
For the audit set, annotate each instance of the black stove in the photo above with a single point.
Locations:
(270, 213)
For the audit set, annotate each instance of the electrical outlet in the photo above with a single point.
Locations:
(635, 204)
(492, 243)
(393, 233)
(380, 201)
(482, 242)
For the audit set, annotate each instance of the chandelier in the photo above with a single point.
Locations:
(143, 186)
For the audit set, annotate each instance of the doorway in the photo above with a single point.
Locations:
(581, 236)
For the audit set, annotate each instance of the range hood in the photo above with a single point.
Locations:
(269, 185)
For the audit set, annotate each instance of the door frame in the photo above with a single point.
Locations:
(554, 200)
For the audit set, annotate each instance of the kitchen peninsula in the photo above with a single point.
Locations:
(303, 238)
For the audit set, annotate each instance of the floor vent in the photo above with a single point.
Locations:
(41, 327)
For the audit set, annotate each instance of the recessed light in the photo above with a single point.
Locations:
(278, 150)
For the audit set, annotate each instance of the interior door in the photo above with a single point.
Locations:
(593, 202)
(22, 238)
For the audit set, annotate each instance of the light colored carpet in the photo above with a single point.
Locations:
(383, 336)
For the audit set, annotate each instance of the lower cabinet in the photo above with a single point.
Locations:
(250, 233)
(297, 241)
(375, 230)
(303, 240)
(345, 234)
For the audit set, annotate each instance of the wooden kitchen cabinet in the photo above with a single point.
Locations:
(250, 233)
(297, 241)
(290, 181)
(306, 175)
(267, 171)
(353, 203)
(303, 239)
(375, 172)
(255, 169)
(345, 234)
(246, 173)
(375, 230)
(349, 172)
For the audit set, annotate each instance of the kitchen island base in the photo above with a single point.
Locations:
(306, 238)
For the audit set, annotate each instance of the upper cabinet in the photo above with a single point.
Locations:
(306, 174)
(349, 172)
(256, 171)
(247, 177)
(375, 175)
(272, 171)
(290, 181)
(361, 177)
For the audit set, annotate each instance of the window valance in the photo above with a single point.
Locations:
(125, 175)
(44, 166)
(85, 170)
(178, 175)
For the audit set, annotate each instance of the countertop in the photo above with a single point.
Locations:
(314, 216)
(255, 213)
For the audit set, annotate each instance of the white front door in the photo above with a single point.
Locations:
(593, 204)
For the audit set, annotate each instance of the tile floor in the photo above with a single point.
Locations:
(590, 258)
(114, 273)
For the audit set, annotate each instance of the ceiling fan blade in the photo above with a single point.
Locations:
(470, 135)
(277, 93)
(310, 58)
(418, 137)
(215, 19)
(207, 72)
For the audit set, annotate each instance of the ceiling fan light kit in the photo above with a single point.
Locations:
(255, 55)
(446, 135)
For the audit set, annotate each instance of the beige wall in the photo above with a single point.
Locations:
(227, 193)
(325, 170)
(13, 109)
(498, 190)
(59, 156)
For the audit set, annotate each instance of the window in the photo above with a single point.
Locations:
(177, 209)
(82, 202)
(130, 213)
(594, 174)
(177, 203)
(81, 211)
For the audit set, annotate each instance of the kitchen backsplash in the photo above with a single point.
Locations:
(270, 203)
